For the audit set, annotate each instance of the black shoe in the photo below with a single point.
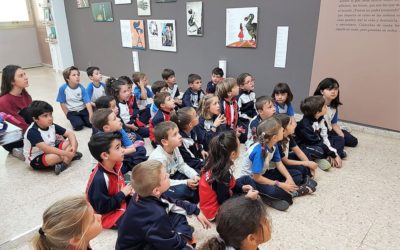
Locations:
(310, 182)
(58, 168)
(344, 155)
(77, 156)
(280, 205)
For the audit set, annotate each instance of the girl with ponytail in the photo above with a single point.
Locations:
(217, 183)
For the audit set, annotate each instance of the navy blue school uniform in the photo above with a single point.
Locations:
(211, 87)
(191, 98)
(285, 109)
(247, 110)
(338, 142)
(305, 171)
(155, 223)
(204, 132)
(252, 129)
(310, 141)
(191, 150)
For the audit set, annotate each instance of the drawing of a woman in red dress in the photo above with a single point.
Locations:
(240, 35)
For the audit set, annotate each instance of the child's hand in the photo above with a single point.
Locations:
(192, 184)
(204, 154)
(311, 164)
(127, 190)
(219, 120)
(70, 153)
(288, 187)
(337, 162)
(252, 194)
(203, 220)
(178, 101)
(131, 126)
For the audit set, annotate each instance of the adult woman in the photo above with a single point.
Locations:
(14, 99)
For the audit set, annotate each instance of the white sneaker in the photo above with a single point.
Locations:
(19, 153)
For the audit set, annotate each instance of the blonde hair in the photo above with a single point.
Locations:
(66, 219)
(266, 130)
(225, 87)
(204, 106)
(146, 176)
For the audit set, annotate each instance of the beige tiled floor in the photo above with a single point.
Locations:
(356, 207)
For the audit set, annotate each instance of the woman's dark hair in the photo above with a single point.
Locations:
(182, 117)
(7, 77)
(282, 88)
(236, 219)
(329, 83)
(285, 120)
(219, 153)
(113, 86)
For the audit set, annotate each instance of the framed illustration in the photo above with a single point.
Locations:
(143, 8)
(241, 27)
(82, 3)
(102, 12)
(123, 2)
(132, 34)
(165, 1)
(162, 35)
(194, 18)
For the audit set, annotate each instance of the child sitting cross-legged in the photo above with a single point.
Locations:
(106, 190)
(184, 178)
(44, 144)
(154, 220)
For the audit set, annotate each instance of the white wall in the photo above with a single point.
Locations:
(19, 46)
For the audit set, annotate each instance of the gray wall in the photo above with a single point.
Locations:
(100, 43)
(19, 46)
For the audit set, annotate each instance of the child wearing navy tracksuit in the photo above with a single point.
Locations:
(193, 95)
(106, 190)
(191, 150)
(246, 102)
(153, 220)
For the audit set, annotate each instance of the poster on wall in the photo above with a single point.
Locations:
(82, 3)
(143, 8)
(162, 35)
(123, 1)
(194, 18)
(165, 1)
(102, 12)
(132, 34)
(241, 27)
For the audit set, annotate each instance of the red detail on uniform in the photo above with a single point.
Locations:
(115, 184)
(208, 197)
(228, 114)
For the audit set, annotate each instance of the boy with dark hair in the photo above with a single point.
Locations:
(105, 120)
(265, 108)
(217, 76)
(157, 87)
(42, 145)
(74, 100)
(193, 95)
(184, 178)
(165, 105)
(143, 94)
(246, 102)
(311, 133)
(168, 75)
(96, 88)
(106, 190)
(153, 220)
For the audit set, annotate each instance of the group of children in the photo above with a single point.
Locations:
(197, 140)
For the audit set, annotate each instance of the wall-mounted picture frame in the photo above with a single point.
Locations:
(102, 12)
(122, 2)
(194, 18)
(133, 34)
(161, 35)
(144, 7)
(82, 4)
(241, 27)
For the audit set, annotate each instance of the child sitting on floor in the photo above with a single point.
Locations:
(153, 220)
